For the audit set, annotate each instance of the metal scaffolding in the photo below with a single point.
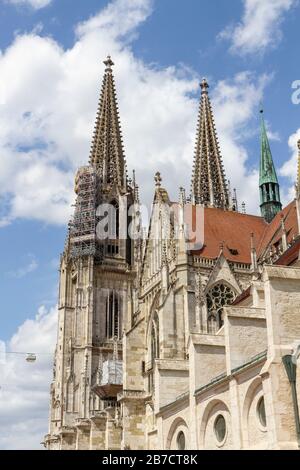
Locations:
(83, 223)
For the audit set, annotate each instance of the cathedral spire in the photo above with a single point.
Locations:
(107, 154)
(270, 203)
(208, 181)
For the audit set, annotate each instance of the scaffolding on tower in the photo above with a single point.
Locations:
(83, 224)
(111, 379)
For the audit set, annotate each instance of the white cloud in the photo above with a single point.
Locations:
(49, 100)
(235, 103)
(36, 4)
(289, 168)
(260, 26)
(24, 387)
(31, 266)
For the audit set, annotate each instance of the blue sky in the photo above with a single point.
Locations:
(50, 74)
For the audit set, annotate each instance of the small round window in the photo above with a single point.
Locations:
(261, 412)
(220, 428)
(181, 441)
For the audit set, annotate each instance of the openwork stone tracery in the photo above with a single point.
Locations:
(217, 298)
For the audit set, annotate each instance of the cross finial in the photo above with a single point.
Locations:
(261, 108)
(158, 179)
(109, 63)
(204, 85)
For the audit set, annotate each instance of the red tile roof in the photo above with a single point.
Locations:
(273, 233)
(233, 230)
(290, 256)
(287, 259)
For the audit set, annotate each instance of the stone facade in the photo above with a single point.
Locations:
(200, 331)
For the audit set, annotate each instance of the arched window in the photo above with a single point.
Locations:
(217, 298)
(220, 428)
(261, 412)
(115, 219)
(113, 316)
(114, 229)
(181, 441)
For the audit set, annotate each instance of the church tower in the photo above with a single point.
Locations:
(96, 274)
(208, 180)
(270, 203)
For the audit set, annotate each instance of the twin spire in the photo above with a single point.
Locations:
(209, 185)
(107, 154)
(208, 180)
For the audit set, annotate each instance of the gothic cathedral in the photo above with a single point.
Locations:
(167, 341)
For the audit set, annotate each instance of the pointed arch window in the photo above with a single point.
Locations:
(113, 316)
(217, 298)
(114, 229)
(115, 219)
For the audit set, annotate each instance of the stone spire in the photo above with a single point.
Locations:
(208, 181)
(107, 154)
(270, 203)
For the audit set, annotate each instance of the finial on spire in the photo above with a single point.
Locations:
(261, 108)
(182, 197)
(109, 64)
(204, 85)
(158, 179)
(252, 241)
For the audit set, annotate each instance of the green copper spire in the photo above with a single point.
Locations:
(270, 203)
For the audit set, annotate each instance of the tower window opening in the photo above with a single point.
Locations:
(113, 316)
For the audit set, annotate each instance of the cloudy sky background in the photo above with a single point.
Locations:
(51, 54)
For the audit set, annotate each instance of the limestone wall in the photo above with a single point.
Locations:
(245, 333)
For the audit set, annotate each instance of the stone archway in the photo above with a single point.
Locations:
(178, 427)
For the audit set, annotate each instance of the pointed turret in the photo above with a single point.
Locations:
(208, 181)
(107, 154)
(270, 203)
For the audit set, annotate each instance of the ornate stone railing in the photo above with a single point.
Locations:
(110, 404)
(208, 263)
(205, 262)
(131, 394)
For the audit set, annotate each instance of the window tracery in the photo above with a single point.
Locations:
(217, 298)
